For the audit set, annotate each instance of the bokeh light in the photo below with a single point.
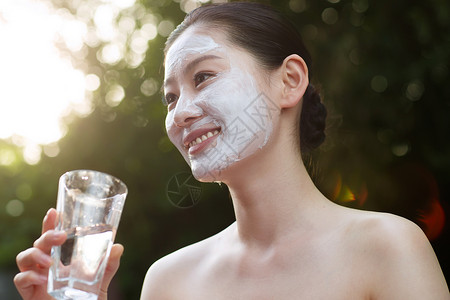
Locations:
(24, 191)
(14, 208)
(360, 5)
(297, 6)
(414, 90)
(7, 157)
(379, 83)
(165, 27)
(92, 82)
(330, 15)
(149, 87)
(115, 95)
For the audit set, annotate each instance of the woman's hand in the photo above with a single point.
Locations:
(35, 262)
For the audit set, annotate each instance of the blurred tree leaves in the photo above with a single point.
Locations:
(381, 66)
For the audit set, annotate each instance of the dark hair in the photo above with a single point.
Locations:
(270, 38)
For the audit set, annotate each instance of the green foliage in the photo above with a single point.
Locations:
(382, 68)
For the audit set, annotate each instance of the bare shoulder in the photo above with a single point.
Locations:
(165, 278)
(387, 229)
(391, 236)
(398, 257)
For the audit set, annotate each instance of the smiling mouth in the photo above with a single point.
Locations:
(203, 137)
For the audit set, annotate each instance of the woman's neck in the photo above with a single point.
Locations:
(272, 193)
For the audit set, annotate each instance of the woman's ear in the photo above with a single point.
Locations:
(294, 75)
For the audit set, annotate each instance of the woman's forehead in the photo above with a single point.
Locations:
(194, 40)
(191, 44)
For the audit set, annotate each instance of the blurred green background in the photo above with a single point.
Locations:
(383, 71)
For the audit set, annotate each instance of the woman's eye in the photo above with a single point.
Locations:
(170, 98)
(201, 77)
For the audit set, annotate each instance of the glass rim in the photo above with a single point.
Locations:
(114, 178)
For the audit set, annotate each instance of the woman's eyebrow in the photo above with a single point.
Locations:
(191, 65)
(198, 60)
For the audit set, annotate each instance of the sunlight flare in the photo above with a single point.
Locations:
(39, 86)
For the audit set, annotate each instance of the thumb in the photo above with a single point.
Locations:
(111, 268)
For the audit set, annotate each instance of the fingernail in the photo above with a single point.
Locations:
(43, 278)
(48, 211)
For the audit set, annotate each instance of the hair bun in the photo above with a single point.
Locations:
(312, 120)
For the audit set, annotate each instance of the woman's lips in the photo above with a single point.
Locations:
(203, 140)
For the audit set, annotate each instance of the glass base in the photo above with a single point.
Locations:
(68, 293)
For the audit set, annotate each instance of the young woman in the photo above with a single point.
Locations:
(242, 111)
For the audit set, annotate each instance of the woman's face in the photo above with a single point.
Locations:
(219, 110)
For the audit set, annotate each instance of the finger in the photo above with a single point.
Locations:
(49, 239)
(27, 282)
(33, 258)
(32, 286)
(49, 221)
(111, 268)
(28, 279)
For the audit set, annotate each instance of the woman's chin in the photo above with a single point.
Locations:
(206, 175)
(206, 170)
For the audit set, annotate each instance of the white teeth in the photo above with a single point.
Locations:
(203, 138)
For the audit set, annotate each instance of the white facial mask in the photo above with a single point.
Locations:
(232, 102)
(184, 47)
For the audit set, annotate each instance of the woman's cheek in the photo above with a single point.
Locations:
(175, 135)
(222, 99)
(169, 124)
(172, 131)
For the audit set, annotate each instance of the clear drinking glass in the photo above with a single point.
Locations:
(89, 207)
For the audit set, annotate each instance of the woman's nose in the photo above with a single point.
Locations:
(186, 112)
